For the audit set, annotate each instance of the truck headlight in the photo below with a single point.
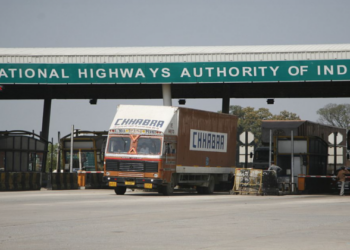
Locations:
(107, 173)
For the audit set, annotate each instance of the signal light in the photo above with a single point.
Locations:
(93, 101)
(1, 88)
(270, 101)
(182, 101)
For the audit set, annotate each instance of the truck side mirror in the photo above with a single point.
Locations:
(102, 152)
(251, 155)
(167, 149)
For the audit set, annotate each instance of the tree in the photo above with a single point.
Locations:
(250, 119)
(337, 115)
(285, 115)
(54, 158)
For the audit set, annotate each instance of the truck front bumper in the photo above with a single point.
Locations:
(131, 182)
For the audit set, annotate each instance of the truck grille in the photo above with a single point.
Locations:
(112, 165)
(151, 166)
(131, 166)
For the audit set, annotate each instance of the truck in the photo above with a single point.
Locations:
(160, 148)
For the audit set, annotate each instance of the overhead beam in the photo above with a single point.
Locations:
(154, 91)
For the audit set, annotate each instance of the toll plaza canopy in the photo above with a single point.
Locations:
(281, 71)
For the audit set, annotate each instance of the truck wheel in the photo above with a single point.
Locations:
(210, 188)
(120, 190)
(168, 189)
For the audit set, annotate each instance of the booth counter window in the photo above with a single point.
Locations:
(87, 160)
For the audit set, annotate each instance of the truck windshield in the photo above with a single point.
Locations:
(119, 145)
(148, 146)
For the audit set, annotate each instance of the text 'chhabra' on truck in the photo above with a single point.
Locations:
(161, 147)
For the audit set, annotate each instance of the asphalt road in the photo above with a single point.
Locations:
(99, 219)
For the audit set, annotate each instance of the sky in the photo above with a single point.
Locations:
(143, 23)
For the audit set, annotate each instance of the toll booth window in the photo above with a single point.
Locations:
(262, 155)
(2, 161)
(24, 162)
(39, 161)
(31, 165)
(17, 163)
(119, 145)
(148, 146)
(87, 160)
(75, 166)
(35, 162)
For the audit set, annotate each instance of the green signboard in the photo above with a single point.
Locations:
(197, 72)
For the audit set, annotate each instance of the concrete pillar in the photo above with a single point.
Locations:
(46, 119)
(226, 99)
(45, 128)
(166, 95)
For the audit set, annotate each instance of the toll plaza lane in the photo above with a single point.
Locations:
(99, 219)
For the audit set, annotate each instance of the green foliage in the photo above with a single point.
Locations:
(250, 119)
(337, 115)
(285, 115)
(54, 161)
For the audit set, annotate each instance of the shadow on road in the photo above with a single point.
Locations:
(176, 193)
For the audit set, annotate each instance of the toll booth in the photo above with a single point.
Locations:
(312, 151)
(22, 160)
(88, 157)
(88, 150)
(21, 151)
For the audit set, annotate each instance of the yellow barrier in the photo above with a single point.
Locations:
(81, 178)
(301, 183)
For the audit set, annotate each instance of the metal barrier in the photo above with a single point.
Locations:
(61, 181)
(317, 183)
(255, 181)
(91, 179)
(248, 181)
(17, 181)
(270, 184)
(287, 187)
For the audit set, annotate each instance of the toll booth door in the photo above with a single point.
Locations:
(299, 167)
